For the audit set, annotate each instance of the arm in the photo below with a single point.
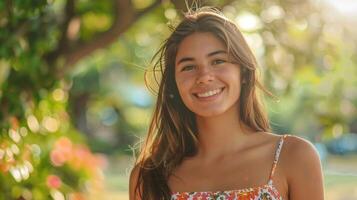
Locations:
(133, 180)
(304, 172)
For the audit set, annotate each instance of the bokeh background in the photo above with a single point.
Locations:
(74, 104)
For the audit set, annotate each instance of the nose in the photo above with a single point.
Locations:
(204, 75)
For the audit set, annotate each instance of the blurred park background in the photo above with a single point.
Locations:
(74, 104)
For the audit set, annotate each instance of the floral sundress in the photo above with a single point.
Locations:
(264, 192)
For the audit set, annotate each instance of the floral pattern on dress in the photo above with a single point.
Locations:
(266, 192)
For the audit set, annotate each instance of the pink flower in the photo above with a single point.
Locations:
(64, 145)
(53, 181)
(57, 158)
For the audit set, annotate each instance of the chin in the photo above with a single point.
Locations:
(208, 113)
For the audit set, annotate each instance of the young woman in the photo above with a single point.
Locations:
(209, 137)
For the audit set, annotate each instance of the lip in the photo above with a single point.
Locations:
(210, 98)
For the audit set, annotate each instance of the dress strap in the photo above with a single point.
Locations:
(276, 158)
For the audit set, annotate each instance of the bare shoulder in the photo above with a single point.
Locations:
(298, 144)
(133, 181)
(302, 168)
(300, 151)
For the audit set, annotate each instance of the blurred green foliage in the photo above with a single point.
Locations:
(42, 155)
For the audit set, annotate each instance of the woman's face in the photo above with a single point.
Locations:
(207, 81)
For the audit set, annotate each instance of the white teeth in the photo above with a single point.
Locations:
(209, 93)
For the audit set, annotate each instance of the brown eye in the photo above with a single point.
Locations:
(187, 68)
(218, 61)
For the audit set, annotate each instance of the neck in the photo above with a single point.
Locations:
(220, 135)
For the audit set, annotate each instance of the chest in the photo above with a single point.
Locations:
(241, 171)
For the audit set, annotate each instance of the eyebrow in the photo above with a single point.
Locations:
(184, 59)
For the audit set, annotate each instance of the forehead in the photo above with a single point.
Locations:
(199, 44)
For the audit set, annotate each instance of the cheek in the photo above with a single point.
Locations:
(183, 85)
(183, 79)
(230, 74)
(236, 81)
(232, 77)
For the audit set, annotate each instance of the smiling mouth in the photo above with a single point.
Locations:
(209, 93)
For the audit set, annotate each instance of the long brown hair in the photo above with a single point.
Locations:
(172, 134)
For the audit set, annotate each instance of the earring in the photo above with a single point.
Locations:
(171, 96)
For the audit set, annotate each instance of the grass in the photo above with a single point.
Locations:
(340, 173)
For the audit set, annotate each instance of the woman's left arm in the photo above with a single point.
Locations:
(304, 171)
